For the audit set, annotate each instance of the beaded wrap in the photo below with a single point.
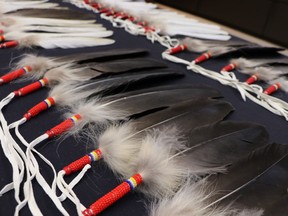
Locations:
(15, 74)
(114, 195)
(40, 107)
(82, 162)
(229, 67)
(202, 58)
(252, 79)
(177, 49)
(9, 44)
(271, 89)
(63, 127)
(31, 88)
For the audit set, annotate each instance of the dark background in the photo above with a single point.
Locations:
(266, 19)
(99, 180)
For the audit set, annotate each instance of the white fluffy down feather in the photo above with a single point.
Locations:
(156, 163)
(96, 112)
(191, 200)
(38, 64)
(117, 149)
(242, 63)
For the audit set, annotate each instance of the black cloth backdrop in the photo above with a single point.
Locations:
(100, 180)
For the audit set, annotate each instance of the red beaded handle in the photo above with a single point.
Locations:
(77, 165)
(15, 74)
(177, 49)
(229, 67)
(252, 79)
(82, 162)
(272, 89)
(202, 58)
(31, 88)
(40, 107)
(113, 196)
(9, 44)
(63, 127)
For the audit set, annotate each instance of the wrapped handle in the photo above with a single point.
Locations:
(177, 49)
(229, 67)
(252, 79)
(82, 162)
(15, 74)
(271, 89)
(202, 58)
(63, 127)
(113, 196)
(9, 44)
(31, 88)
(40, 107)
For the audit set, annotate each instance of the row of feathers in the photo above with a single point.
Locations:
(183, 143)
(190, 165)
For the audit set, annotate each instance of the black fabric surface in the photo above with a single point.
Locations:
(100, 180)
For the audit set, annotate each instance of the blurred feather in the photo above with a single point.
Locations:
(245, 172)
(221, 144)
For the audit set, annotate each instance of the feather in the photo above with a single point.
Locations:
(6, 8)
(267, 189)
(74, 73)
(55, 13)
(128, 133)
(65, 41)
(282, 82)
(40, 65)
(215, 146)
(190, 200)
(266, 74)
(12, 33)
(19, 20)
(126, 65)
(103, 110)
(278, 208)
(199, 46)
(244, 173)
(243, 63)
(101, 87)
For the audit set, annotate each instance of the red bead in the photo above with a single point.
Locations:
(62, 127)
(202, 58)
(40, 107)
(9, 44)
(177, 49)
(77, 165)
(229, 67)
(252, 79)
(271, 89)
(15, 74)
(108, 199)
(31, 88)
